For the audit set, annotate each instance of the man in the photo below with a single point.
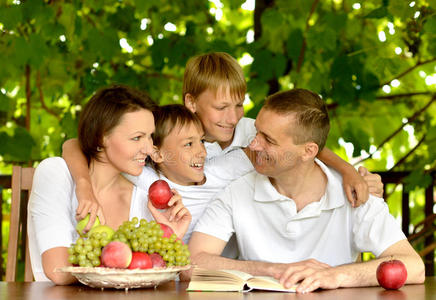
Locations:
(291, 216)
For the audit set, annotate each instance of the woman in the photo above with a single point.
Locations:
(115, 135)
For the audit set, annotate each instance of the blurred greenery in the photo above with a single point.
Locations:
(374, 63)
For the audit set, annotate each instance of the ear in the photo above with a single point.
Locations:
(310, 151)
(157, 156)
(190, 102)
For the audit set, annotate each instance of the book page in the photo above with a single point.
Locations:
(268, 283)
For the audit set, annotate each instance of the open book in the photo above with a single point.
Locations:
(232, 281)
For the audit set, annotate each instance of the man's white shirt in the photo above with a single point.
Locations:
(269, 228)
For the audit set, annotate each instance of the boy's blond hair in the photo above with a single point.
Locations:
(214, 71)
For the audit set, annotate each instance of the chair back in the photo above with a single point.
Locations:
(21, 182)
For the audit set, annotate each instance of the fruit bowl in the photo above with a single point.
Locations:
(123, 278)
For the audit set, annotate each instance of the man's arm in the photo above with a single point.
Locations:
(78, 166)
(357, 274)
(206, 249)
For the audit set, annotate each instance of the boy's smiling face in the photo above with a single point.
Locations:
(219, 112)
(182, 155)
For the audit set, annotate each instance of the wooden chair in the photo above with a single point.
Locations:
(21, 181)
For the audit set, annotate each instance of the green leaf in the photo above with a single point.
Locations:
(417, 179)
(5, 103)
(271, 18)
(18, 147)
(105, 44)
(357, 137)
(11, 16)
(294, 44)
(430, 25)
(377, 13)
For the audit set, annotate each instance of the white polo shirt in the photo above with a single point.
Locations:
(219, 173)
(52, 209)
(269, 228)
(244, 134)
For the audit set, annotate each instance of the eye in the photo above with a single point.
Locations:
(136, 138)
(203, 141)
(188, 144)
(220, 108)
(240, 105)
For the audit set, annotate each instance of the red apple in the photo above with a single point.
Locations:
(168, 231)
(140, 260)
(116, 255)
(391, 274)
(157, 261)
(159, 194)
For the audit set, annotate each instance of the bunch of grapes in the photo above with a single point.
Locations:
(148, 237)
(140, 236)
(86, 251)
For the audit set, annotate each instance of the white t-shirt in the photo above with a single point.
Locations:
(269, 228)
(52, 208)
(244, 134)
(219, 173)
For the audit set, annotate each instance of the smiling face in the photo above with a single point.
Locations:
(182, 155)
(219, 113)
(274, 148)
(129, 143)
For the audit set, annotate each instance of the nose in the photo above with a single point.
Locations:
(233, 116)
(255, 144)
(147, 147)
(201, 151)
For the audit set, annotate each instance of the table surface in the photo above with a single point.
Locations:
(177, 290)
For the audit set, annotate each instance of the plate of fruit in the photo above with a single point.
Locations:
(139, 254)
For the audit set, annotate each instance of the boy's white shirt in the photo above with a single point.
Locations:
(52, 209)
(219, 172)
(269, 228)
(245, 132)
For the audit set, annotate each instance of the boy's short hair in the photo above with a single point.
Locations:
(310, 112)
(214, 71)
(172, 117)
(104, 111)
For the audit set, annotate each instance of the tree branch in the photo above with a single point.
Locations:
(409, 120)
(303, 47)
(419, 63)
(391, 97)
(41, 98)
(403, 159)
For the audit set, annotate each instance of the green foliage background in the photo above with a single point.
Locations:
(55, 54)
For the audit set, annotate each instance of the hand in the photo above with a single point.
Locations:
(327, 278)
(177, 216)
(292, 273)
(355, 188)
(88, 204)
(375, 185)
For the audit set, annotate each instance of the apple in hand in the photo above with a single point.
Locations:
(82, 224)
(157, 260)
(160, 194)
(116, 255)
(391, 274)
(140, 260)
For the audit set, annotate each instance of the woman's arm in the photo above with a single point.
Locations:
(78, 166)
(55, 258)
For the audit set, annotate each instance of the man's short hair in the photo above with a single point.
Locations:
(310, 113)
(214, 71)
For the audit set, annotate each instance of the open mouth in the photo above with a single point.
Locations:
(198, 166)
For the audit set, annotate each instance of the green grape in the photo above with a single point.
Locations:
(88, 264)
(104, 242)
(90, 255)
(165, 257)
(79, 241)
(158, 245)
(72, 259)
(104, 235)
(71, 250)
(134, 220)
(95, 262)
(173, 238)
(97, 251)
(78, 248)
(82, 263)
(87, 248)
(95, 243)
(143, 222)
(87, 242)
(81, 257)
(135, 244)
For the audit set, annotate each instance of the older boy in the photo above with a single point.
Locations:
(291, 216)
